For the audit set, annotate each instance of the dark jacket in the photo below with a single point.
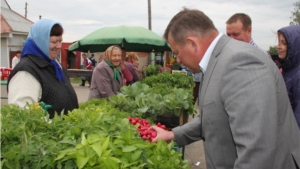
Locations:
(60, 95)
(92, 59)
(291, 67)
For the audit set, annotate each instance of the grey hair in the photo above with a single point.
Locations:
(189, 22)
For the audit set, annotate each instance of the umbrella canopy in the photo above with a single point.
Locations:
(130, 38)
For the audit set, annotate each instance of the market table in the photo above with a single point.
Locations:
(79, 72)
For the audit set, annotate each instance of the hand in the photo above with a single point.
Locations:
(162, 134)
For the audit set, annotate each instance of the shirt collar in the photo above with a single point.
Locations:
(253, 43)
(204, 62)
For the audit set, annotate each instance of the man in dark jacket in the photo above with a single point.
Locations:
(92, 59)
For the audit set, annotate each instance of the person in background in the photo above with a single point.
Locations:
(107, 78)
(39, 77)
(133, 58)
(92, 59)
(246, 120)
(87, 64)
(16, 59)
(239, 27)
(132, 63)
(197, 79)
(289, 60)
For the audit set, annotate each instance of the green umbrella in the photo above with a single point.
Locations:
(130, 38)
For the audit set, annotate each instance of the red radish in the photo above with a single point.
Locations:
(144, 127)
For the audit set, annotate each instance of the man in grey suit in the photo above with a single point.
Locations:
(245, 121)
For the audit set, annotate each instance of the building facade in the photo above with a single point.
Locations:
(14, 31)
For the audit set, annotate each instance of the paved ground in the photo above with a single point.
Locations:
(193, 153)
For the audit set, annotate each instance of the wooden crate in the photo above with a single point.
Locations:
(183, 119)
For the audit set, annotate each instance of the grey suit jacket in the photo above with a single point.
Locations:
(247, 120)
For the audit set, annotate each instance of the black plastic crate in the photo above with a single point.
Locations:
(170, 121)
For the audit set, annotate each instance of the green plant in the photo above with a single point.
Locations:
(148, 102)
(96, 135)
(166, 84)
(177, 80)
(152, 70)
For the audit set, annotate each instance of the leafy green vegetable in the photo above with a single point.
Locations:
(97, 135)
(143, 101)
(152, 70)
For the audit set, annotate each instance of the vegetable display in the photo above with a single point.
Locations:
(97, 135)
(164, 93)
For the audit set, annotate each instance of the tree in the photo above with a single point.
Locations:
(273, 50)
(295, 18)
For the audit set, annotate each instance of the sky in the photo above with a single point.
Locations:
(81, 17)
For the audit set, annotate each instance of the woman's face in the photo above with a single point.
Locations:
(115, 57)
(135, 63)
(282, 46)
(55, 46)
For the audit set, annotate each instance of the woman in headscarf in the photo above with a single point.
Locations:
(107, 78)
(39, 77)
(289, 60)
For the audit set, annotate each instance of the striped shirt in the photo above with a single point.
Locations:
(254, 44)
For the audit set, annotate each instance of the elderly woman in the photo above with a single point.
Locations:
(39, 77)
(107, 78)
(289, 59)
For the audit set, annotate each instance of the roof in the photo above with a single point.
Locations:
(5, 28)
(11, 21)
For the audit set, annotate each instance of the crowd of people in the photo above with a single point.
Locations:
(249, 110)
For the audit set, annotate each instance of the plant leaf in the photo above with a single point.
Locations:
(81, 159)
(128, 149)
(97, 148)
(136, 155)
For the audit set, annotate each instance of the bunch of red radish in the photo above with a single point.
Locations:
(144, 128)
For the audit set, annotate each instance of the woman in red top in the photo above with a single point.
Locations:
(132, 63)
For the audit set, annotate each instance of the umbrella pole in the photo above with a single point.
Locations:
(123, 51)
(123, 54)
(152, 58)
